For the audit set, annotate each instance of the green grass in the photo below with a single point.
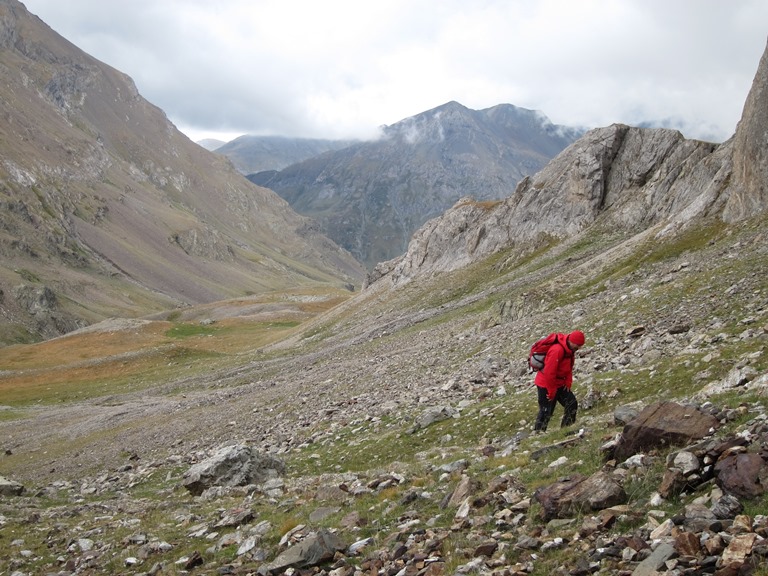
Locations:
(181, 331)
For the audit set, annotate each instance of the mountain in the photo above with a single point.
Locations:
(393, 433)
(372, 196)
(646, 183)
(107, 209)
(211, 143)
(252, 154)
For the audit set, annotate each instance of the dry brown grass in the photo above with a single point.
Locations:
(107, 360)
(81, 347)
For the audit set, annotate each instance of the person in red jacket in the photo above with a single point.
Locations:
(553, 382)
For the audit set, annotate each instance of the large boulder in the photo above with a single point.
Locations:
(744, 475)
(661, 425)
(235, 465)
(577, 494)
(10, 488)
(318, 547)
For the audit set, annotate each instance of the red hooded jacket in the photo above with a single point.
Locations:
(558, 368)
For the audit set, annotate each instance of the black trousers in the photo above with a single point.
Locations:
(565, 398)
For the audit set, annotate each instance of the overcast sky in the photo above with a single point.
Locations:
(342, 68)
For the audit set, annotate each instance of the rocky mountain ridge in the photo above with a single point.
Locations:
(637, 180)
(371, 197)
(108, 210)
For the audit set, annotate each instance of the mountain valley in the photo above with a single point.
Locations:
(191, 381)
(108, 210)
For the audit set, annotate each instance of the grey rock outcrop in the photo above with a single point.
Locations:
(10, 488)
(627, 176)
(750, 151)
(236, 465)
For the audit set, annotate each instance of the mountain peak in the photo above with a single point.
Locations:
(371, 197)
(638, 180)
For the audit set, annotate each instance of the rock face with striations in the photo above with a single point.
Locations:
(750, 151)
(630, 179)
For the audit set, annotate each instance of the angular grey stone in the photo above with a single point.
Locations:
(315, 549)
(236, 465)
(10, 488)
(432, 415)
(686, 462)
(727, 506)
(655, 561)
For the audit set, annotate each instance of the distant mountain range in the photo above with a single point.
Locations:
(107, 209)
(252, 154)
(370, 197)
(210, 144)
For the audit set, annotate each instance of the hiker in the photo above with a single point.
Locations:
(553, 381)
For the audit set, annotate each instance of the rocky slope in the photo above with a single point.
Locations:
(371, 197)
(108, 210)
(403, 418)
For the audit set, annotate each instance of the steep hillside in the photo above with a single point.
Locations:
(371, 197)
(251, 154)
(403, 417)
(108, 210)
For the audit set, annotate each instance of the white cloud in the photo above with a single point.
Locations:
(341, 68)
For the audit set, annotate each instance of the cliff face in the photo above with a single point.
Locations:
(630, 179)
(108, 210)
(750, 151)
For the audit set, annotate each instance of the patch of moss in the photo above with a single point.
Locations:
(181, 331)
